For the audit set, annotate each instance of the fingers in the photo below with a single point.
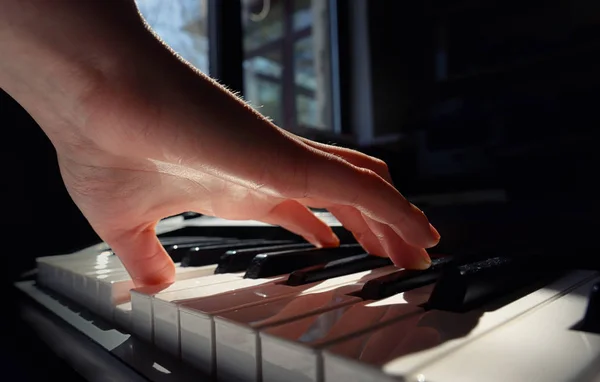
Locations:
(401, 254)
(298, 219)
(354, 157)
(144, 257)
(353, 221)
(332, 178)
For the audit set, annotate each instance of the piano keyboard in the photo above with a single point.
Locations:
(277, 309)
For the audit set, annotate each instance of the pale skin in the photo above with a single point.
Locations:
(140, 135)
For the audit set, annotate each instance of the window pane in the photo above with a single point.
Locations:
(307, 110)
(262, 22)
(262, 82)
(290, 38)
(302, 14)
(181, 24)
(312, 69)
(268, 98)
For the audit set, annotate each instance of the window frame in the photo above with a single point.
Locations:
(226, 57)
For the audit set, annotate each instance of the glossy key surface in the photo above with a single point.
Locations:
(237, 260)
(211, 254)
(272, 264)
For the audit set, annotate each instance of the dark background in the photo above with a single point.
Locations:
(514, 108)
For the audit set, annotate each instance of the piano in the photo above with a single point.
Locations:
(253, 303)
(484, 95)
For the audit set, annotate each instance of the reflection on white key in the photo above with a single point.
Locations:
(166, 312)
(141, 299)
(424, 338)
(291, 351)
(47, 265)
(60, 274)
(236, 337)
(86, 285)
(538, 346)
(196, 316)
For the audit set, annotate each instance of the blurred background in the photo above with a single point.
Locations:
(471, 103)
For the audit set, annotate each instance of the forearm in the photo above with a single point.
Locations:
(55, 52)
(65, 59)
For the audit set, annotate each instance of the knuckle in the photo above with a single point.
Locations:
(378, 165)
(368, 174)
(382, 165)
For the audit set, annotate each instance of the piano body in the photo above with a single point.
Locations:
(267, 307)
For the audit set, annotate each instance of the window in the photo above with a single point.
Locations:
(182, 25)
(287, 70)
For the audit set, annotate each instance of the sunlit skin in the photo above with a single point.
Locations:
(140, 135)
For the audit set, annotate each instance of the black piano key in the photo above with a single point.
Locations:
(403, 280)
(237, 260)
(591, 320)
(336, 268)
(172, 240)
(177, 245)
(461, 288)
(279, 263)
(190, 215)
(207, 255)
(179, 250)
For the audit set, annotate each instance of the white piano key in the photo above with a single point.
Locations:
(236, 352)
(141, 300)
(197, 331)
(86, 286)
(55, 269)
(538, 346)
(81, 280)
(83, 253)
(292, 351)
(426, 337)
(66, 270)
(166, 313)
(115, 288)
(122, 316)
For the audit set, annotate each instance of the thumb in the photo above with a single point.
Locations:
(143, 256)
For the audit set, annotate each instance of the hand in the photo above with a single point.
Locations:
(145, 136)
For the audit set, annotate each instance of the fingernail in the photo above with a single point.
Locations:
(425, 259)
(413, 260)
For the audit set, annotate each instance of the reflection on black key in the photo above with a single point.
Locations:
(336, 268)
(279, 263)
(206, 255)
(190, 215)
(176, 246)
(460, 288)
(237, 260)
(591, 321)
(403, 280)
(178, 251)
(170, 240)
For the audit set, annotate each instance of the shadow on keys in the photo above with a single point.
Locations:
(420, 331)
(414, 333)
(84, 313)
